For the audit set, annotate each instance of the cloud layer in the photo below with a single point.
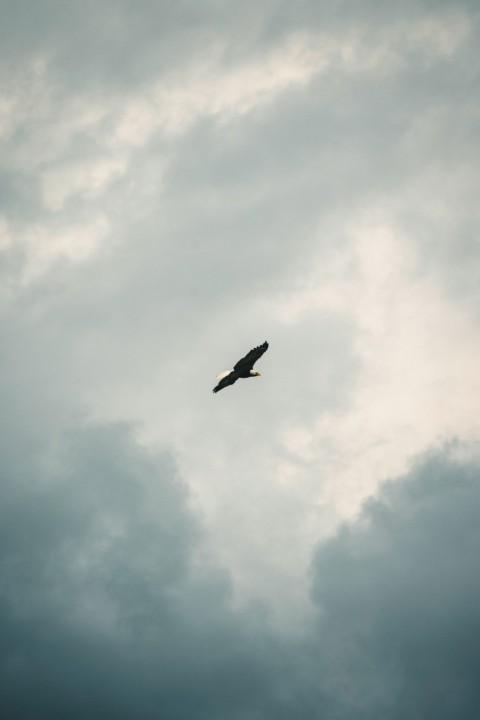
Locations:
(399, 595)
(104, 608)
(107, 608)
(178, 184)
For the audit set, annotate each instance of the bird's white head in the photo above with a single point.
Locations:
(255, 373)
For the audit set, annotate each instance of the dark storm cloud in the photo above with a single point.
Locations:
(102, 612)
(399, 593)
(105, 611)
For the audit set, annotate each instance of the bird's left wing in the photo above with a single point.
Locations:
(251, 358)
(225, 381)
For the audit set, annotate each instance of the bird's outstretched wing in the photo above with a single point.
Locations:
(226, 381)
(247, 363)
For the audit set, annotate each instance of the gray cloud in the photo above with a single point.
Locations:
(236, 195)
(399, 597)
(106, 610)
(216, 223)
(102, 610)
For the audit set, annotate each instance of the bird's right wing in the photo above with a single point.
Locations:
(251, 358)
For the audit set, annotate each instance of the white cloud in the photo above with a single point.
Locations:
(207, 89)
(419, 357)
(81, 177)
(48, 243)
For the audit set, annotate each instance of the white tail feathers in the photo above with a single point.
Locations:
(223, 374)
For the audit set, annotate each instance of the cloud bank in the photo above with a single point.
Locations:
(106, 608)
(177, 184)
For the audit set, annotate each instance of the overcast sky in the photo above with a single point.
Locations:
(178, 183)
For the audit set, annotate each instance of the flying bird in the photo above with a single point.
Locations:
(243, 368)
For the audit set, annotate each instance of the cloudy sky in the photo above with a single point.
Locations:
(178, 183)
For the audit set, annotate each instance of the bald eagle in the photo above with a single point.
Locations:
(243, 368)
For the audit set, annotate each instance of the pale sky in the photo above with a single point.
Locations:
(178, 183)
